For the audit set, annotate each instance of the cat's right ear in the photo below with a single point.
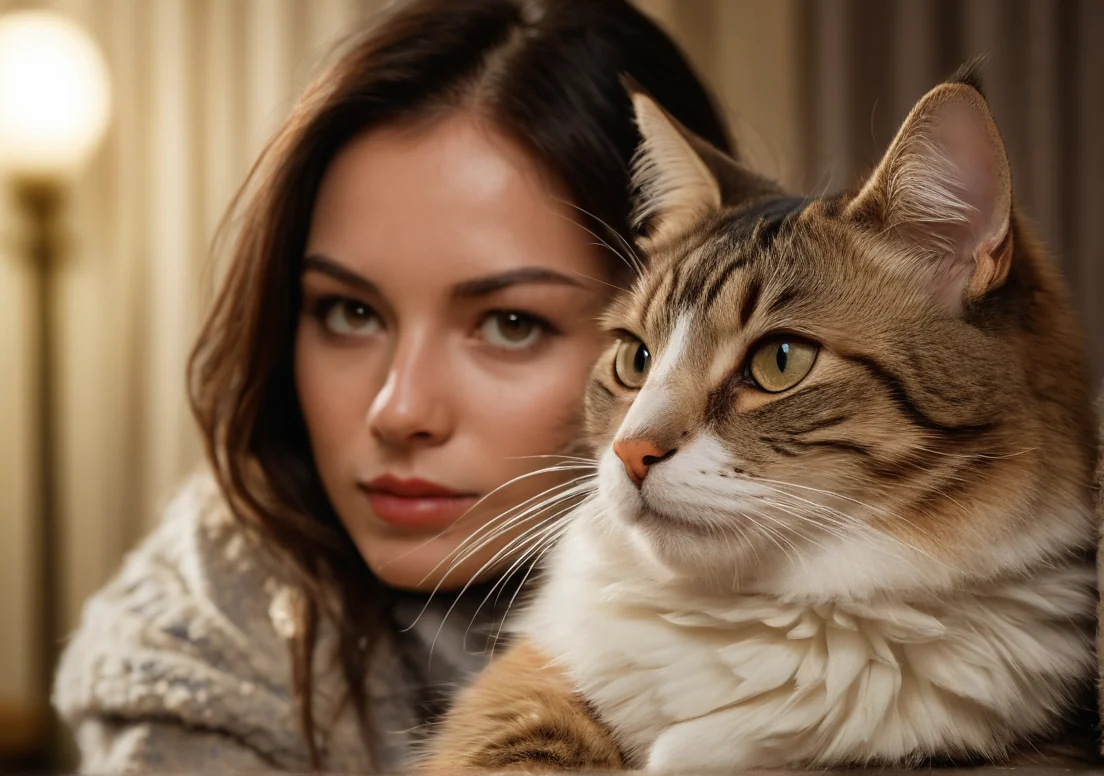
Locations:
(944, 190)
(678, 177)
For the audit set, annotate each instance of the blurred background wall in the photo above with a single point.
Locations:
(814, 88)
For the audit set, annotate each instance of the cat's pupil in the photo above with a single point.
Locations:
(782, 357)
(640, 362)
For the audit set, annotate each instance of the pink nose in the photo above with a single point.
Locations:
(638, 455)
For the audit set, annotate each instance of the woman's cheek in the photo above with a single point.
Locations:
(546, 420)
(335, 388)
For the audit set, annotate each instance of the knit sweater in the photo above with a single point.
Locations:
(181, 662)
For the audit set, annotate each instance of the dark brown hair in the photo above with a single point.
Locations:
(548, 73)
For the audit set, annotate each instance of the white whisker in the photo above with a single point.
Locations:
(633, 261)
(545, 524)
(852, 520)
(493, 530)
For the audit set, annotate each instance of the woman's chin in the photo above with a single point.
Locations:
(424, 568)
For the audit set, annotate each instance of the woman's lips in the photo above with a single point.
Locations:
(416, 504)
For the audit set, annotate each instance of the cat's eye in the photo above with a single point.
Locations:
(348, 317)
(780, 363)
(511, 330)
(631, 364)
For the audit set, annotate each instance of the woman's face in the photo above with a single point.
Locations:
(447, 331)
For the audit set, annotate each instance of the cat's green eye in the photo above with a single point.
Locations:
(780, 363)
(631, 364)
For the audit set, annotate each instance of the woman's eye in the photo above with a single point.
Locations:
(780, 363)
(511, 330)
(349, 318)
(631, 364)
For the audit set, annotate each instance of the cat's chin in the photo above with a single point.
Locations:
(650, 519)
(686, 548)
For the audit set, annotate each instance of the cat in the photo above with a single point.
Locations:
(843, 511)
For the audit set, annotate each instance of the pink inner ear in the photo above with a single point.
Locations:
(943, 191)
(960, 134)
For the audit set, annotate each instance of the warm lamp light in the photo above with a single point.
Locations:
(55, 96)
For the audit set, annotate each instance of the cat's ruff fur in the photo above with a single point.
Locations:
(693, 680)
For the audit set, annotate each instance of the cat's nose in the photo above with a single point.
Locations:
(639, 455)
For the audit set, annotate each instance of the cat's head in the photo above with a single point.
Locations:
(880, 389)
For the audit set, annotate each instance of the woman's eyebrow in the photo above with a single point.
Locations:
(339, 273)
(523, 276)
(465, 290)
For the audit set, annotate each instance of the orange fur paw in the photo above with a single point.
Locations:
(522, 713)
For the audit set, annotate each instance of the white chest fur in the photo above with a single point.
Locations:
(696, 681)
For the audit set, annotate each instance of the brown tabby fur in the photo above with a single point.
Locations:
(948, 419)
(523, 714)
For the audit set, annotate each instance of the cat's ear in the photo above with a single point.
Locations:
(677, 176)
(945, 190)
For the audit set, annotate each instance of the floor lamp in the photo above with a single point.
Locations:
(54, 109)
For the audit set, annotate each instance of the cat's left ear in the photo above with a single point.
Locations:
(678, 177)
(945, 190)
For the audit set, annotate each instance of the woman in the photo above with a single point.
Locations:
(400, 344)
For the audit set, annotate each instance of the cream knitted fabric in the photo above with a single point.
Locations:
(181, 662)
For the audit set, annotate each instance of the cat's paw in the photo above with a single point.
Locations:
(522, 713)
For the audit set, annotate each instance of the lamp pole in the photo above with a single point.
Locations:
(40, 202)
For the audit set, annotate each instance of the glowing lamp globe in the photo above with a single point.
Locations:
(55, 96)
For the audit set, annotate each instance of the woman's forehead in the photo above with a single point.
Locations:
(453, 199)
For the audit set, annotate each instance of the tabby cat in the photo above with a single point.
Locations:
(843, 506)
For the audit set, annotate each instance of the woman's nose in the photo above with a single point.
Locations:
(411, 409)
